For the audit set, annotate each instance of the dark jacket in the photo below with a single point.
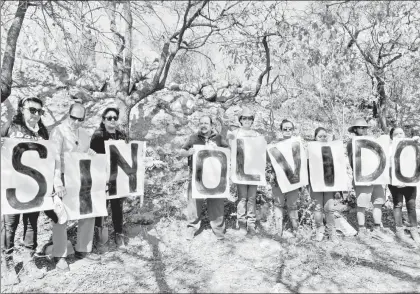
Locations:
(97, 142)
(23, 132)
(199, 139)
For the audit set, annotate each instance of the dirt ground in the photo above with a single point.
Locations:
(160, 259)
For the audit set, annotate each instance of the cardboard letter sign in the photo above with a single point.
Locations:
(126, 168)
(85, 180)
(405, 162)
(370, 161)
(288, 159)
(327, 166)
(248, 160)
(210, 176)
(27, 175)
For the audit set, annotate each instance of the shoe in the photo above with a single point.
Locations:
(252, 231)
(381, 236)
(61, 264)
(363, 234)
(190, 233)
(402, 237)
(332, 235)
(319, 235)
(415, 235)
(119, 241)
(30, 268)
(9, 275)
(242, 229)
(86, 255)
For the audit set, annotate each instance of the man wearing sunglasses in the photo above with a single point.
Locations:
(70, 137)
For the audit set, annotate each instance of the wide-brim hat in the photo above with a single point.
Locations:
(246, 112)
(358, 122)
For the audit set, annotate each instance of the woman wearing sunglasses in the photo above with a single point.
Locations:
(324, 202)
(246, 209)
(283, 200)
(409, 193)
(26, 124)
(108, 130)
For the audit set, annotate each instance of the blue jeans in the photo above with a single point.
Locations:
(30, 230)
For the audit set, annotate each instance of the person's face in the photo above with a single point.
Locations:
(321, 136)
(77, 116)
(247, 121)
(360, 131)
(398, 133)
(110, 120)
(205, 125)
(287, 130)
(32, 112)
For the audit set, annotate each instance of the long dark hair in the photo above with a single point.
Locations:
(108, 109)
(19, 120)
(317, 130)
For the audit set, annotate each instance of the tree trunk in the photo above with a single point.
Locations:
(127, 48)
(382, 99)
(10, 51)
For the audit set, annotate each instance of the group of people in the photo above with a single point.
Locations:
(324, 201)
(66, 137)
(70, 137)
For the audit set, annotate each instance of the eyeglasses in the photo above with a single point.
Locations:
(287, 129)
(77, 118)
(34, 110)
(109, 118)
(247, 118)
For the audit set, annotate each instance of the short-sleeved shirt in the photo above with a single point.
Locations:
(199, 139)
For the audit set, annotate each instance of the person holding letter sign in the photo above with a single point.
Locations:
(324, 202)
(108, 131)
(367, 194)
(70, 137)
(247, 194)
(26, 124)
(281, 200)
(215, 206)
(407, 192)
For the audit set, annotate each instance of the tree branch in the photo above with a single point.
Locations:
(10, 51)
(267, 66)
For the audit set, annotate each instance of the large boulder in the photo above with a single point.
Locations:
(209, 93)
(223, 95)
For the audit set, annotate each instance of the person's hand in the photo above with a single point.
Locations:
(416, 138)
(401, 186)
(191, 151)
(91, 152)
(60, 191)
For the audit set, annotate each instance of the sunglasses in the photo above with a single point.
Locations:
(77, 118)
(34, 110)
(247, 118)
(109, 118)
(287, 129)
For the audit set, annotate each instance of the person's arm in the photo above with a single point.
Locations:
(58, 140)
(350, 153)
(186, 150)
